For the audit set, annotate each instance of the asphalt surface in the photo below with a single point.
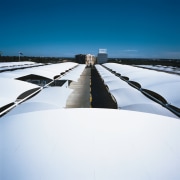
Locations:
(80, 97)
(101, 98)
(89, 92)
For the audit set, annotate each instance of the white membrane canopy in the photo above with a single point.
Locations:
(74, 74)
(48, 71)
(11, 89)
(164, 84)
(130, 98)
(89, 144)
(116, 84)
(48, 98)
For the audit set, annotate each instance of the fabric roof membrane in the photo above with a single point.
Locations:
(11, 89)
(164, 84)
(51, 97)
(74, 74)
(77, 144)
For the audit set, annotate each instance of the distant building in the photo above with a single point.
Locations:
(90, 60)
(80, 58)
(102, 56)
(87, 59)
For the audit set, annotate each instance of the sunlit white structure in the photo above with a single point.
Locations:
(57, 97)
(89, 144)
(102, 56)
(23, 82)
(11, 89)
(130, 98)
(169, 69)
(90, 59)
(74, 74)
(103, 51)
(163, 84)
(41, 139)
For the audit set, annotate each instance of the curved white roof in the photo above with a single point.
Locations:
(28, 107)
(152, 108)
(89, 144)
(16, 65)
(105, 74)
(109, 78)
(11, 89)
(154, 78)
(170, 91)
(163, 68)
(128, 96)
(119, 68)
(48, 71)
(74, 74)
(166, 85)
(131, 99)
(102, 70)
(8, 74)
(140, 75)
(21, 63)
(116, 84)
(58, 68)
(47, 98)
(5, 101)
(37, 71)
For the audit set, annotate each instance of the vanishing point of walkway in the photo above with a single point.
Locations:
(89, 91)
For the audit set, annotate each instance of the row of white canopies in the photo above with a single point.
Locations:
(89, 143)
(12, 88)
(170, 69)
(127, 97)
(86, 143)
(47, 71)
(8, 66)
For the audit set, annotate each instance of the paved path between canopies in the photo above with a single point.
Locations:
(80, 97)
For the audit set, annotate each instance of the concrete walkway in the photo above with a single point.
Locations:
(80, 97)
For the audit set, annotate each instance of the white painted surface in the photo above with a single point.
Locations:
(130, 98)
(11, 89)
(48, 71)
(74, 74)
(164, 84)
(86, 144)
(48, 98)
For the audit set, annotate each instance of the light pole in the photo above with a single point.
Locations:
(20, 53)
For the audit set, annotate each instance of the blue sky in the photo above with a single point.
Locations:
(126, 28)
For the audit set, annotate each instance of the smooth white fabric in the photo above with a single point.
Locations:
(11, 89)
(164, 84)
(74, 74)
(48, 98)
(89, 144)
(130, 98)
(48, 71)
